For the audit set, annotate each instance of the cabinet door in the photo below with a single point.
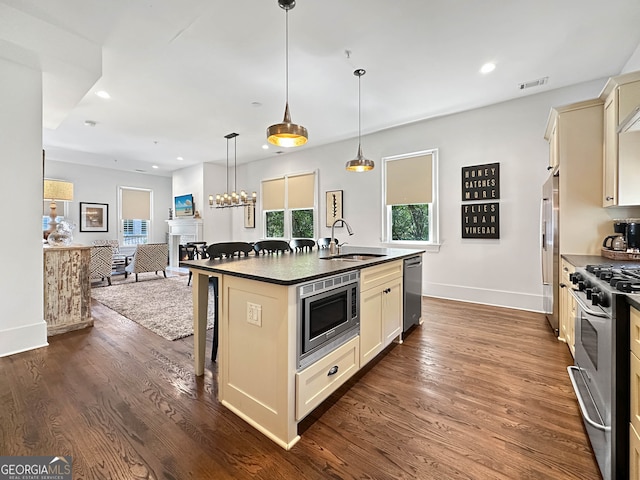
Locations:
(370, 324)
(553, 147)
(610, 162)
(634, 454)
(392, 310)
(634, 405)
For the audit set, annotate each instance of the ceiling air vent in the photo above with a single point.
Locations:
(533, 83)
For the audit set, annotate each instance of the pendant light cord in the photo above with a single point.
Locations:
(359, 112)
(286, 55)
(227, 190)
(235, 165)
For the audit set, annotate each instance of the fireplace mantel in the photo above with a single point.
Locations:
(181, 232)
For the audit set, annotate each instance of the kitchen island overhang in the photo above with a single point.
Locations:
(257, 371)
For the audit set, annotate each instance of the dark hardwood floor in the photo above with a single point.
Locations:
(477, 392)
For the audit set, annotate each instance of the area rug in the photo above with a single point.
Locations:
(163, 305)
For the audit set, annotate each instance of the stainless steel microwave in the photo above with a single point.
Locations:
(328, 315)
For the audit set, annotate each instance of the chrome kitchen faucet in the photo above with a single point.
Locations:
(332, 244)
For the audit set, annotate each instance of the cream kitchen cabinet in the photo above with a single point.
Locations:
(380, 308)
(634, 406)
(621, 162)
(553, 145)
(567, 307)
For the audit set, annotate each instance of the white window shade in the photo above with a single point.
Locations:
(410, 180)
(136, 204)
(273, 194)
(301, 191)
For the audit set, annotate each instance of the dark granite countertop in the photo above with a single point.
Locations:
(293, 268)
(584, 260)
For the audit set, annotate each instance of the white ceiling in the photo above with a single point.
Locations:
(182, 74)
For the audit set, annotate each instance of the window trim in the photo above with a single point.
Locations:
(434, 214)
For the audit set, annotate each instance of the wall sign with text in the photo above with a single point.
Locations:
(481, 220)
(481, 182)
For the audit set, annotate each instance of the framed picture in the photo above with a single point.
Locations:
(94, 217)
(249, 216)
(334, 206)
(184, 206)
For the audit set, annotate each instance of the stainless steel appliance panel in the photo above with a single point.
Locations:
(550, 254)
(412, 279)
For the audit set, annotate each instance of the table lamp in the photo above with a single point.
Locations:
(56, 190)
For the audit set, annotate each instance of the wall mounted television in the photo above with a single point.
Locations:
(184, 206)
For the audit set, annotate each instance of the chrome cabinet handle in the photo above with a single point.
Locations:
(332, 371)
(608, 198)
(583, 409)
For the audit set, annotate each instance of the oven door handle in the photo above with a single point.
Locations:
(583, 409)
(584, 306)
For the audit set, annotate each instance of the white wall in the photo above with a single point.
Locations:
(633, 64)
(22, 325)
(100, 185)
(501, 272)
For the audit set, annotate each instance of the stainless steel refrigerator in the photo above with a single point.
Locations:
(550, 251)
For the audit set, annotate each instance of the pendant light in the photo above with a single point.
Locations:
(360, 163)
(287, 134)
(234, 199)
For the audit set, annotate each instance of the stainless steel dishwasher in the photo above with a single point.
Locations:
(412, 302)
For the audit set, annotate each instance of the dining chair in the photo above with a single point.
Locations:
(219, 251)
(302, 244)
(188, 252)
(325, 241)
(271, 246)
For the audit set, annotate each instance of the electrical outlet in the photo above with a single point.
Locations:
(254, 314)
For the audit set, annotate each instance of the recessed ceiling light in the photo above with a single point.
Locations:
(488, 68)
(154, 166)
(103, 94)
(179, 158)
(265, 147)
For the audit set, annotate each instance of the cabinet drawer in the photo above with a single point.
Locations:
(316, 382)
(635, 331)
(634, 454)
(373, 276)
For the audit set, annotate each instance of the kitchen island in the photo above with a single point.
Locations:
(258, 378)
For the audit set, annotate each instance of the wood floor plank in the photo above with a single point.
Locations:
(477, 392)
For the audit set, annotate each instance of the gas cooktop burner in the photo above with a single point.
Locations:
(622, 278)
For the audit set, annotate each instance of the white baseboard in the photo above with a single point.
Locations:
(23, 338)
(498, 298)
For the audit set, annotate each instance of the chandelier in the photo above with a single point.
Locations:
(233, 199)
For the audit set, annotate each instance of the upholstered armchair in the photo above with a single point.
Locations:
(149, 257)
(119, 259)
(101, 264)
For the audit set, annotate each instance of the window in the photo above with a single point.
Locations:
(288, 205)
(135, 215)
(410, 205)
(302, 223)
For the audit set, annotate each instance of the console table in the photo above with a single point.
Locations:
(67, 289)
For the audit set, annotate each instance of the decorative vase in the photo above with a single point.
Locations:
(62, 236)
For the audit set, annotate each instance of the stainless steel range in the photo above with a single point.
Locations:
(600, 376)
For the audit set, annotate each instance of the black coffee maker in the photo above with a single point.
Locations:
(632, 235)
(618, 241)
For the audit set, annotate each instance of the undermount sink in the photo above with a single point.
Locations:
(354, 256)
